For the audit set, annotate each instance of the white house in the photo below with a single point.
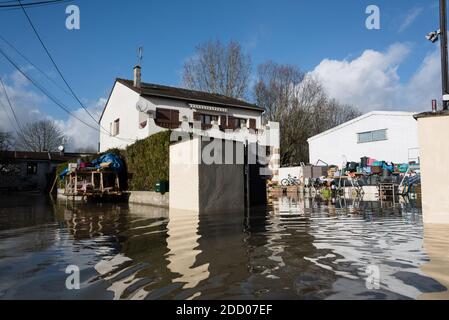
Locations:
(137, 110)
(383, 135)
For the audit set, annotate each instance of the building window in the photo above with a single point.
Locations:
(372, 136)
(242, 123)
(208, 119)
(237, 123)
(167, 118)
(31, 169)
(116, 128)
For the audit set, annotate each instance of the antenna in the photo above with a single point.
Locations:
(139, 56)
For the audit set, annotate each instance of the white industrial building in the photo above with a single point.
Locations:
(382, 135)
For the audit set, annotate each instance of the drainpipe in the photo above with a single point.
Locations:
(444, 54)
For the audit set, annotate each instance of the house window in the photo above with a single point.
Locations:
(237, 123)
(208, 119)
(372, 136)
(242, 123)
(31, 169)
(167, 118)
(116, 128)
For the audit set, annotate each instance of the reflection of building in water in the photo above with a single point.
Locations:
(278, 249)
(392, 244)
(129, 241)
(184, 249)
(436, 244)
(18, 212)
(348, 235)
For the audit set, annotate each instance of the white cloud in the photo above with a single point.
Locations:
(27, 106)
(410, 17)
(81, 136)
(24, 101)
(371, 81)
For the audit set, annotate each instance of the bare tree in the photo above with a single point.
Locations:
(40, 136)
(216, 68)
(6, 141)
(300, 103)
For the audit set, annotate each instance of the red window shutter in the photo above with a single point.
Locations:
(196, 116)
(174, 119)
(232, 123)
(163, 115)
(223, 121)
(252, 124)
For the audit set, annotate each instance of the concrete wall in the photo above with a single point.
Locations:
(341, 143)
(184, 175)
(433, 137)
(200, 187)
(149, 198)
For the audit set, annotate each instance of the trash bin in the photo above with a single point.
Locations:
(161, 187)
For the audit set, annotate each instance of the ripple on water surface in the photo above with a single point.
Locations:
(295, 249)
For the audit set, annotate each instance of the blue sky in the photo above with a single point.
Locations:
(327, 38)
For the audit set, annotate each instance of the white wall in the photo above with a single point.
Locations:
(196, 186)
(341, 144)
(184, 175)
(121, 105)
(294, 172)
(433, 133)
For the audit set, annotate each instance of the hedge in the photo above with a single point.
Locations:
(147, 161)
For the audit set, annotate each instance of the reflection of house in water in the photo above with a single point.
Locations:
(436, 244)
(183, 243)
(319, 251)
(27, 212)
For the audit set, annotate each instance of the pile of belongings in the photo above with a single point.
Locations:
(368, 166)
(106, 161)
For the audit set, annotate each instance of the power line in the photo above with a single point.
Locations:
(33, 65)
(53, 99)
(50, 79)
(45, 92)
(31, 4)
(22, 6)
(20, 131)
(10, 105)
(9, 117)
(57, 68)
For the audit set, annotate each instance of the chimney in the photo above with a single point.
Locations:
(137, 76)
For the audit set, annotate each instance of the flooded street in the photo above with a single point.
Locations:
(297, 249)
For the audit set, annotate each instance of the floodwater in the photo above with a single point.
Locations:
(295, 249)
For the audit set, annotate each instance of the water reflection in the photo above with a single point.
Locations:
(436, 244)
(300, 248)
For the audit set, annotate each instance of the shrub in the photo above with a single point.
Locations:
(148, 161)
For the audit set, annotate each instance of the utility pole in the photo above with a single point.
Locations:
(444, 54)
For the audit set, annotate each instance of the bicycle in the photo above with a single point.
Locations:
(290, 181)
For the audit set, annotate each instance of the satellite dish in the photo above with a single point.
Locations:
(144, 106)
(61, 148)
